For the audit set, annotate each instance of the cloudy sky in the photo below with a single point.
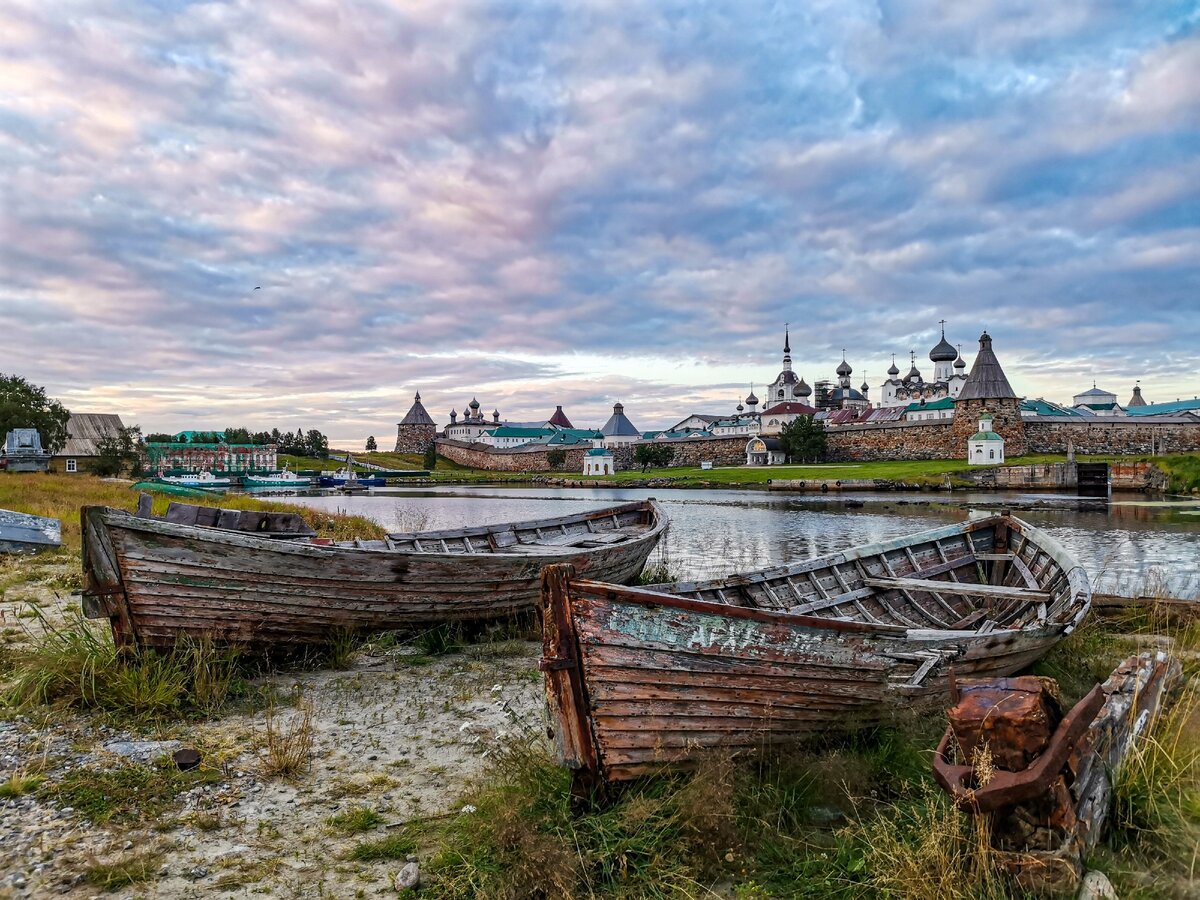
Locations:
(297, 214)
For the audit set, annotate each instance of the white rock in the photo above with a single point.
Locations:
(1096, 886)
(409, 877)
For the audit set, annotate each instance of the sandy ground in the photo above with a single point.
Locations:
(402, 737)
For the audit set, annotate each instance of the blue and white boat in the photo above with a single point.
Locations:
(196, 479)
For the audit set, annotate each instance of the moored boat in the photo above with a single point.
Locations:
(25, 533)
(284, 478)
(158, 580)
(204, 479)
(639, 678)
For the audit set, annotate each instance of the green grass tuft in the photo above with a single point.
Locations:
(131, 869)
(355, 821)
(126, 793)
(394, 846)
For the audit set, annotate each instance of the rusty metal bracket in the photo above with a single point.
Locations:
(1010, 788)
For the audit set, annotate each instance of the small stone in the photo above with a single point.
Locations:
(409, 877)
(1096, 886)
(198, 872)
(128, 845)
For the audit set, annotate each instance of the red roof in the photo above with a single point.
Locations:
(560, 418)
(789, 408)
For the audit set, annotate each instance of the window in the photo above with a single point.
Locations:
(991, 454)
(72, 465)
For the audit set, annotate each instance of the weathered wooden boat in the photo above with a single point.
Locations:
(24, 533)
(157, 580)
(637, 678)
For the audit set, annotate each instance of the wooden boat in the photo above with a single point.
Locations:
(157, 580)
(639, 678)
(23, 533)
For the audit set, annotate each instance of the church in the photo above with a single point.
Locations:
(949, 376)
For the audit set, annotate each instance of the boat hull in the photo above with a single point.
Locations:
(157, 581)
(638, 679)
(330, 481)
(25, 533)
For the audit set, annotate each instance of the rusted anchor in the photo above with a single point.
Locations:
(1005, 789)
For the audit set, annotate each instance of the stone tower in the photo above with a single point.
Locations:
(987, 390)
(416, 430)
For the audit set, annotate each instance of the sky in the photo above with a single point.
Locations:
(299, 214)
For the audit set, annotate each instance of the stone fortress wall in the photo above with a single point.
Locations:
(936, 439)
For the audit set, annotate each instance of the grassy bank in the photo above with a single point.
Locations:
(846, 816)
(60, 497)
(1183, 472)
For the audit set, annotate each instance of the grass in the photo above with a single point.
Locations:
(355, 820)
(1183, 472)
(125, 793)
(19, 785)
(751, 824)
(76, 665)
(394, 846)
(130, 869)
(288, 743)
(61, 496)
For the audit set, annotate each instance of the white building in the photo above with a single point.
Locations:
(1099, 402)
(985, 447)
(765, 451)
(618, 431)
(599, 461)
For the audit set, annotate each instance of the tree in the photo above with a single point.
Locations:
(118, 452)
(237, 436)
(25, 405)
(371, 445)
(430, 460)
(653, 455)
(316, 444)
(803, 439)
(556, 457)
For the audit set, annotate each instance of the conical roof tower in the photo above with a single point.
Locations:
(987, 380)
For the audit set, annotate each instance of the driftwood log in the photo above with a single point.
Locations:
(1042, 841)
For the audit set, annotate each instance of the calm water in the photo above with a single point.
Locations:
(718, 532)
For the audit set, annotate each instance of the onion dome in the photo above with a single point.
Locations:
(751, 400)
(844, 368)
(466, 413)
(802, 389)
(892, 370)
(453, 414)
(913, 374)
(740, 408)
(865, 387)
(960, 363)
(474, 404)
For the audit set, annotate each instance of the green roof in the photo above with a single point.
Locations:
(986, 436)
(1100, 405)
(943, 403)
(598, 451)
(1042, 407)
(1158, 409)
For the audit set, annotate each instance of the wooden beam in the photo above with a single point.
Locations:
(971, 590)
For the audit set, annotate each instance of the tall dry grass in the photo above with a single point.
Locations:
(61, 496)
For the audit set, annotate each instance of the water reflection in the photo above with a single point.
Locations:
(718, 532)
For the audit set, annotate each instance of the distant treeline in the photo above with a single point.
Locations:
(299, 443)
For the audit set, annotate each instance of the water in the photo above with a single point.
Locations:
(718, 532)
